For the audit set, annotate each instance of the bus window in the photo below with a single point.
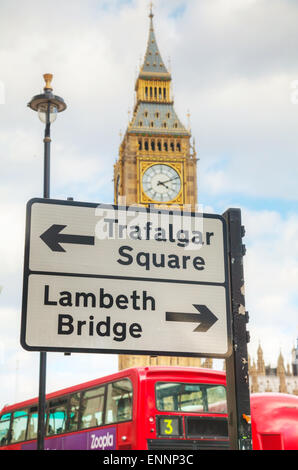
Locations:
(4, 429)
(119, 401)
(73, 413)
(191, 398)
(92, 407)
(32, 426)
(217, 400)
(19, 426)
(57, 416)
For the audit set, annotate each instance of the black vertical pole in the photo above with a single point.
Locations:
(47, 156)
(43, 355)
(238, 394)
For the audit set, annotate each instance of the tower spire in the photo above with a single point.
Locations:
(153, 64)
(151, 12)
(154, 109)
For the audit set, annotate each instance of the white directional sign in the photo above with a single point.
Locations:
(100, 278)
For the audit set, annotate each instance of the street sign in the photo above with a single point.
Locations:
(102, 278)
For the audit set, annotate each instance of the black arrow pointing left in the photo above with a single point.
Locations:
(205, 317)
(52, 238)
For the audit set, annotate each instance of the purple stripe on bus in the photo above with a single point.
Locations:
(98, 439)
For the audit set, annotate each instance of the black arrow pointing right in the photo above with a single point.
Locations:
(205, 317)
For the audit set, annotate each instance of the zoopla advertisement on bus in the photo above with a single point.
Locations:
(97, 439)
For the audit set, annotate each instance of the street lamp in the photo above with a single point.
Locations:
(47, 106)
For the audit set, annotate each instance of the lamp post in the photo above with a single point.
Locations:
(47, 106)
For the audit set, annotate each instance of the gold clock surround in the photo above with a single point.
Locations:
(144, 164)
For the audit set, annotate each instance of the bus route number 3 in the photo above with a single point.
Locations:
(169, 427)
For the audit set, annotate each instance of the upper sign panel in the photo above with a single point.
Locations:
(89, 239)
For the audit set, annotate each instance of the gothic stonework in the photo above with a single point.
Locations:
(269, 379)
(156, 141)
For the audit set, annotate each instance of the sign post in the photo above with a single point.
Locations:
(238, 395)
(108, 279)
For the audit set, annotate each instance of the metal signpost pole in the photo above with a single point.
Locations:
(238, 394)
(43, 355)
(47, 156)
(47, 106)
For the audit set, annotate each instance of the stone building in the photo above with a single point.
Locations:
(157, 163)
(282, 378)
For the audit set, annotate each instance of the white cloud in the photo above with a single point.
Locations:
(12, 238)
(271, 275)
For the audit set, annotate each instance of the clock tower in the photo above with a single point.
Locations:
(157, 162)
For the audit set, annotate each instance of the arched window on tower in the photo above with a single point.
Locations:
(172, 145)
(165, 146)
(153, 145)
(178, 146)
(159, 145)
(140, 144)
(164, 93)
(146, 145)
(146, 92)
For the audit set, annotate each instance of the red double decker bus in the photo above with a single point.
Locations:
(139, 408)
(274, 421)
(146, 408)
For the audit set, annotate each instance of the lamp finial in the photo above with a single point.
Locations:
(48, 77)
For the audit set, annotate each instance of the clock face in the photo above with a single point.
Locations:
(161, 183)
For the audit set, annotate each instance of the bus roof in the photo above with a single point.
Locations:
(274, 399)
(161, 372)
(182, 372)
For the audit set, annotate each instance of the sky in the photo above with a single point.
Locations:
(235, 71)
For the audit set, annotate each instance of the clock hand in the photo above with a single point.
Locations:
(172, 179)
(161, 182)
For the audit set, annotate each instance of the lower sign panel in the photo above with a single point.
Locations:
(83, 314)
